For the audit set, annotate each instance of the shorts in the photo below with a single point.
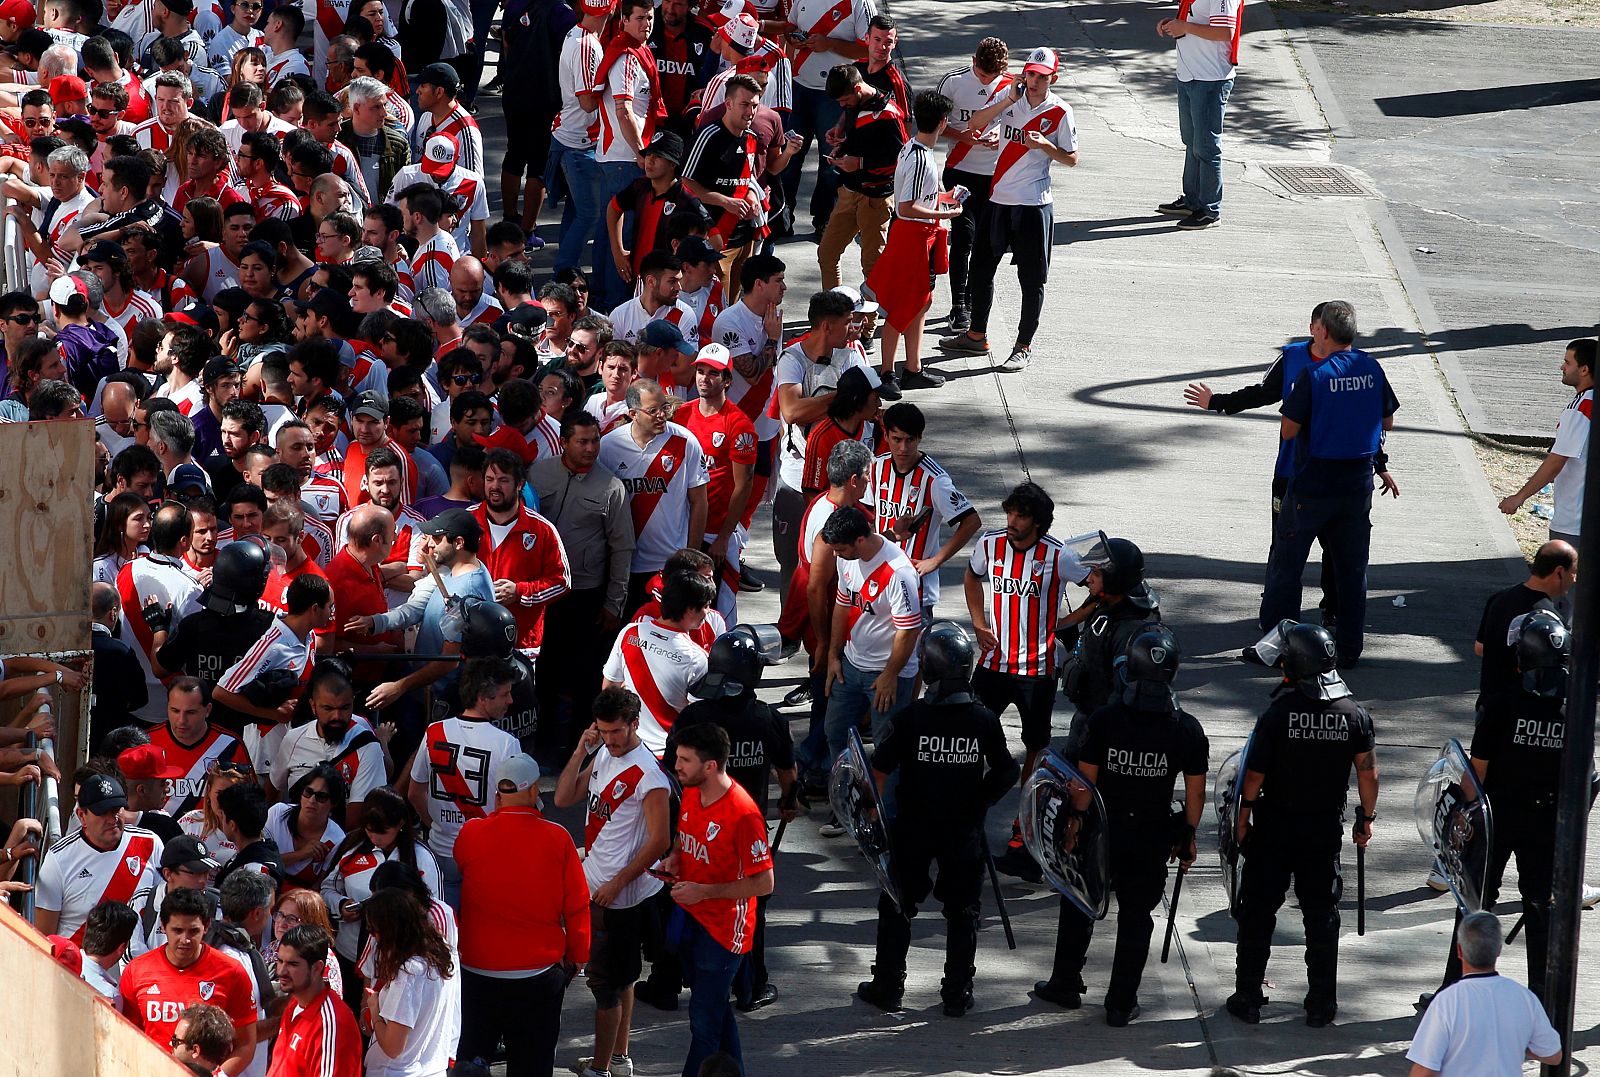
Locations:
(528, 135)
(616, 950)
(1034, 698)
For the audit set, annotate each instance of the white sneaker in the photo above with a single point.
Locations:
(584, 1068)
(1591, 896)
(832, 828)
(1437, 881)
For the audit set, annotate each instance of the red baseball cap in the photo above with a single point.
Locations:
(439, 156)
(68, 88)
(1042, 61)
(18, 11)
(146, 761)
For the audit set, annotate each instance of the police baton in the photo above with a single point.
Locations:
(1172, 913)
(777, 839)
(1516, 927)
(1361, 889)
(999, 898)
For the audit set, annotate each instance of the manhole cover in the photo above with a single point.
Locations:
(1323, 180)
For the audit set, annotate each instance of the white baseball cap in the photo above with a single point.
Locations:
(439, 156)
(742, 32)
(862, 306)
(516, 774)
(714, 356)
(1042, 61)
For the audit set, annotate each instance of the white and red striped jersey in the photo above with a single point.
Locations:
(707, 303)
(162, 578)
(317, 540)
(842, 20)
(768, 54)
(529, 553)
(324, 495)
(614, 830)
(657, 664)
(744, 332)
(460, 124)
(187, 397)
(968, 94)
(136, 307)
(274, 202)
(629, 319)
(76, 876)
(457, 760)
(397, 112)
(1022, 175)
(152, 136)
(464, 184)
(351, 880)
(278, 648)
(233, 131)
(408, 285)
(1025, 593)
(576, 127)
(220, 49)
(183, 794)
(897, 497)
(627, 87)
(485, 312)
(282, 65)
(881, 594)
(658, 479)
(430, 266)
(62, 216)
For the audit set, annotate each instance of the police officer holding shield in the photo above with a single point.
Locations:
(951, 755)
(1290, 813)
(1516, 752)
(1134, 748)
(759, 743)
(1124, 604)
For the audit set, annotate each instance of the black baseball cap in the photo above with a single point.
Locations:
(525, 321)
(371, 403)
(453, 524)
(189, 854)
(694, 250)
(441, 75)
(666, 144)
(100, 795)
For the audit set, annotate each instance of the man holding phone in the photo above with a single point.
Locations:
(970, 161)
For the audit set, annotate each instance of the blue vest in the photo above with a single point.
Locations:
(1295, 358)
(1347, 400)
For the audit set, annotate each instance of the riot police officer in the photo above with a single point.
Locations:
(1133, 750)
(207, 642)
(951, 755)
(759, 743)
(1290, 812)
(490, 631)
(1516, 752)
(1124, 604)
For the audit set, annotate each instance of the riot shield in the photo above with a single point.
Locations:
(1225, 798)
(1064, 827)
(854, 796)
(1455, 820)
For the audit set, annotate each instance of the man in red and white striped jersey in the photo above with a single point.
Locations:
(1026, 570)
(971, 159)
(105, 860)
(656, 659)
(191, 743)
(160, 582)
(318, 1036)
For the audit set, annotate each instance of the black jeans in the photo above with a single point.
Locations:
(1026, 232)
(963, 229)
(1526, 829)
(1329, 581)
(788, 507)
(568, 669)
(958, 851)
(525, 1013)
(1304, 849)
(1343, 524)
(1138, 876)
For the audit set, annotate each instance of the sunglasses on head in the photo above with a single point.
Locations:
(467, 379)
(225, 766)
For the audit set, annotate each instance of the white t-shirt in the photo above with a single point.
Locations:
(657, 664)
(1022, 175)
(457, 759)
(658, 479)
(431, 1008)
(629, 319)
(1482, 1025)
(795, 368)
(969, 94)
(627, 87)
(304, 747)
(163, 579)
(882, 595)
(821, 17)
(1200, 60)
(1572, 435)
(277, 829)
(581, 50)
(614, 830)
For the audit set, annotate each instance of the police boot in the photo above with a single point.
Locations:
(884, 990)
(957, 994)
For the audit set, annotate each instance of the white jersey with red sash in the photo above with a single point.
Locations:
(1025, 589)
(657, 664)
(1022, 175)
(457, 760)
(1203, 60)
(183, 794)
(163, 579)
(76, 876)
(430, 266)
(843, 20)
(458, 123)
(969, 94)
(658, 478)
(880, 593)
(136, 307)
(614, 830)
(324, 495)
(924, 492)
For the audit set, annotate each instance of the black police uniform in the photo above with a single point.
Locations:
(206, 644)
(953, 764)
(1520, 735)
(1497, 672)
(1140, 754)
(1090, 677)
(758, 741)
(1305, 749)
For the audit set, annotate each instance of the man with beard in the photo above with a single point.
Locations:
(242, 425)
(402, 567)
(335, 735)
(318, 1033)
(522, 550)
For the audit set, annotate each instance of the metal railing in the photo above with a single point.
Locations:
(13, 263)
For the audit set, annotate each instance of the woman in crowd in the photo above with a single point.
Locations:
(123, 536)
(303, 826)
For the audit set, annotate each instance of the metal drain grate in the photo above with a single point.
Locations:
(1323, 180)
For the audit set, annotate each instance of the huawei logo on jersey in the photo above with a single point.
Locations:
(744, 442)
(758, 849)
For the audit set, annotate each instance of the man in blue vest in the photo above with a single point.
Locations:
(1335, 414)
(1273, 388)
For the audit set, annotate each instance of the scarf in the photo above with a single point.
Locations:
(619, 46)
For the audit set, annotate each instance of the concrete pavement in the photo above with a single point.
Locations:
(1135, 310)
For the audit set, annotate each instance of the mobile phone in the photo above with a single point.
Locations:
(665, 877)
(797, 36)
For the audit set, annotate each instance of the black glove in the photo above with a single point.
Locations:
(156, 616)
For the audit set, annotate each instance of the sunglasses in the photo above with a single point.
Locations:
(224, 766)
(176, 1043)
(24, 319)
(321, 796)
(105, 113)
(467, 379)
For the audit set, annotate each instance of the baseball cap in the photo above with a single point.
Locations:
(526, 320)
(857, 384)
(694, 250)
(200, 315)
(189, 477)
(714, 356)
(663, 334)
(100, 795)
(18, 11)
(595, 7)
(453, 524)
(217, 368)
(439, 156)
(68, 88)
(1042, 61)
(863, 306)
(666, 144)
(147, 761)
(65, 287)
(68, 954)
(326, 302)
(188, 853)
(516, 774)
(441, 75)
(103, 251)
(371, 404)
(742, 31)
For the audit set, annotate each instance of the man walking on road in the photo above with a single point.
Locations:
(1207, 37)
(1565, 465)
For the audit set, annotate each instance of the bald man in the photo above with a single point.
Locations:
(356, 575)
(1551, 577)
(115, 426)
(473, 305)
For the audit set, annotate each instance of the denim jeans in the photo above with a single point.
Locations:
(712, 1026)
(585, 197)
(606, 285)
(852, 696)
(1200, 109)
(449, 882)
(813, 117)
(1343, 524)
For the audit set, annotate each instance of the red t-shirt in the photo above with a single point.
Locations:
(155, 992)
(825, 434)
(516, 851)
(722, 844)
(357, 592)
(277, 590)
(727, 437)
